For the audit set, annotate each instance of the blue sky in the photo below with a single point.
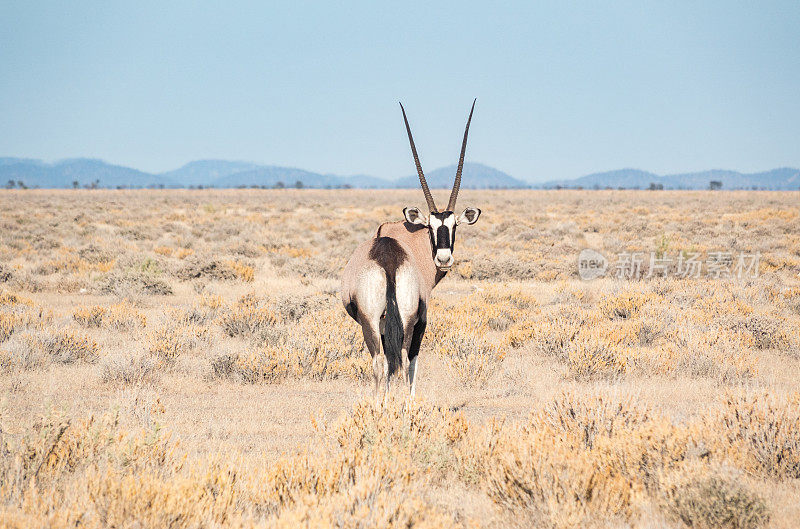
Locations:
(564, 88)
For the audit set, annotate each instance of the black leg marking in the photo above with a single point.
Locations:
(419, 331)
(352, 310)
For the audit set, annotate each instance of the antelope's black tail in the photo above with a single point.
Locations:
(388, 253)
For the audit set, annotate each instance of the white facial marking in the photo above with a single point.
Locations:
(450, 222)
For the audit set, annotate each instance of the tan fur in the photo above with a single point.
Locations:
(363, 289)
(414, 240)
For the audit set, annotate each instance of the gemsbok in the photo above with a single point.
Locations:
(388, 280)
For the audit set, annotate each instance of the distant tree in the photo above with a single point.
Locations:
(298, 185)
(715, 185)
(655, 187)
(279, 185)
(75, 184)
(21, 184)
(11, 184)
(596, 187)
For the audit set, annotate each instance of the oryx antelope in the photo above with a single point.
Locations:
(388, 281)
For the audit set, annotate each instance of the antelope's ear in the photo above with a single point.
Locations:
(415, 216)
(470, 216)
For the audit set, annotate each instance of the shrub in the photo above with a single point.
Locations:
(9, 322)
(132, 283)
(762, 433)
(175, 339)
(89, 316)
(200, 268)
(248, 321)
(590, 358)
(327, 346)
(715, 498)
(767, 332)
(267, 364)
(224, 366)
(293, 308)
(5, 275)
(319, 346)
(244, 272)
(129, 370)
(623, 305)
(124, 317)
(65, 346)
(571, 465)
(202, 312)
(472, 360)
(69, 468)
(551, 336)
(9, 298)
(121, 317)
(586, 418)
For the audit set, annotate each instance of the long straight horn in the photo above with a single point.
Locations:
(423, 183)
(457, 184)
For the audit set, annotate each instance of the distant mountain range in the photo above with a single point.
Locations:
(35, 173)
(785, 178)
(227, 174)
(83, 172)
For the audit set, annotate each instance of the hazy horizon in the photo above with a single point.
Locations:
(563, 90)
(391, 178)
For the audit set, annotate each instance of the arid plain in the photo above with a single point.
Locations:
(182, 359)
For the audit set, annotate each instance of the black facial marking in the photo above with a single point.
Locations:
(444, 238)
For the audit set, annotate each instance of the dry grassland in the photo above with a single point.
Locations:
(180, 359)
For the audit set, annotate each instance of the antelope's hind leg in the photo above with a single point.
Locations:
(380, 368)
(405, 353)
(413, 354)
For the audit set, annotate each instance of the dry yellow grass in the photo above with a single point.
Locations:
(181, 359)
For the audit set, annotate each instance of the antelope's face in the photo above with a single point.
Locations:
(442, 230)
